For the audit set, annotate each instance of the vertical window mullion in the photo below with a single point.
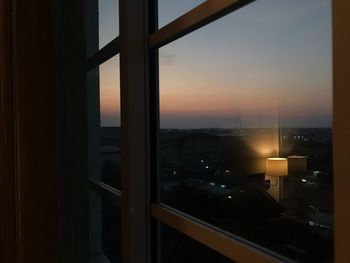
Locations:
(341, 56)
(93, 116)
(154, 132)
(134, 66)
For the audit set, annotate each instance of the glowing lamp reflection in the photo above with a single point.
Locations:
(276, 167)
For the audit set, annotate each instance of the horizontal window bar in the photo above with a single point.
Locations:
(107, 192)
(227, 244)
(194, 19)
(107, 52)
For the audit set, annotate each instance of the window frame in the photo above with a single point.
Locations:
(142, 213)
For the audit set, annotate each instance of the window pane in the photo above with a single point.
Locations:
(169, 10)
(105, 231)
(108, 21)
(177, 247)
(253, 85)
(104, 121)
(110, 122)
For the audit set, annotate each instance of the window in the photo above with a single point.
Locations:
(108, 21)
(284, 153)
(237, 92)
(103, 84)
(222, 137)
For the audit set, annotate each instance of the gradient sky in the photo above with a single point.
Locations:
(268, 58)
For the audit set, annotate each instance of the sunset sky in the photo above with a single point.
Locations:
(270, 58)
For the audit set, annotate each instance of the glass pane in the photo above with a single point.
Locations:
(177, 247)
(254, 85)
(108, 21)
(169, 10)
(110, 123)
(104, 123)
(105, 231)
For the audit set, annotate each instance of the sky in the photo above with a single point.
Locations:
(270, 60)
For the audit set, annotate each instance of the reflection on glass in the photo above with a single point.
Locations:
(105, 231)
(110, 123)
(253, 85)
(108, 19)
(176, 247)
(169, 10)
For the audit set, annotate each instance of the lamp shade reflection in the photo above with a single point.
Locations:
(276, 167)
